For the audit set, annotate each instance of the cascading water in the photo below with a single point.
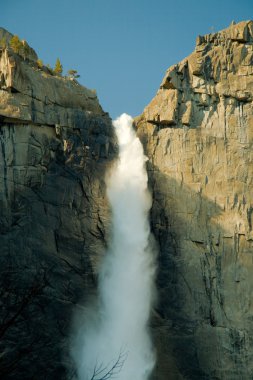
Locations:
(114, 342)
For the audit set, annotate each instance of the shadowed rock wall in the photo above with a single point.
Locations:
(55, 144)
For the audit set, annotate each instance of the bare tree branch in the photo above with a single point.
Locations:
(104, 373)
(33, 292)
(16, 302)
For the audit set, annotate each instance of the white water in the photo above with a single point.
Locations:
(116, 331)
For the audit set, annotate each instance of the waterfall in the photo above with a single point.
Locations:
(115, 342)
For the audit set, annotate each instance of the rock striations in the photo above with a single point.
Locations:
(198, 135)
(55, 143)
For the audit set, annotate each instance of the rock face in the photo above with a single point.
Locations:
(55, 144)
(198, 135)
(5, 38)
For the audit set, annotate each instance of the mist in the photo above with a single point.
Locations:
(114, 339)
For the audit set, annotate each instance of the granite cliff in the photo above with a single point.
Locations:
(55, 143)
(198, 135)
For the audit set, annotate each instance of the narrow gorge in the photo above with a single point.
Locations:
(57, 144)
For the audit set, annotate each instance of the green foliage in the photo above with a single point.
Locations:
(58, 67)
(3, 43)
(73, 74)
(40, 63)
(20, 47)
(16, 44)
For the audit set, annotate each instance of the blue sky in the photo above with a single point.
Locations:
(120, 48)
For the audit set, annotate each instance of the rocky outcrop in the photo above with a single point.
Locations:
(198, 135)
(5, 40)
(55, 144)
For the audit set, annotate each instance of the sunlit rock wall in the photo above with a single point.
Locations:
(198, 135)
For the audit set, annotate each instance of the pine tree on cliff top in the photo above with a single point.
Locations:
(16, 44)
(58, 67)
(73, 74)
